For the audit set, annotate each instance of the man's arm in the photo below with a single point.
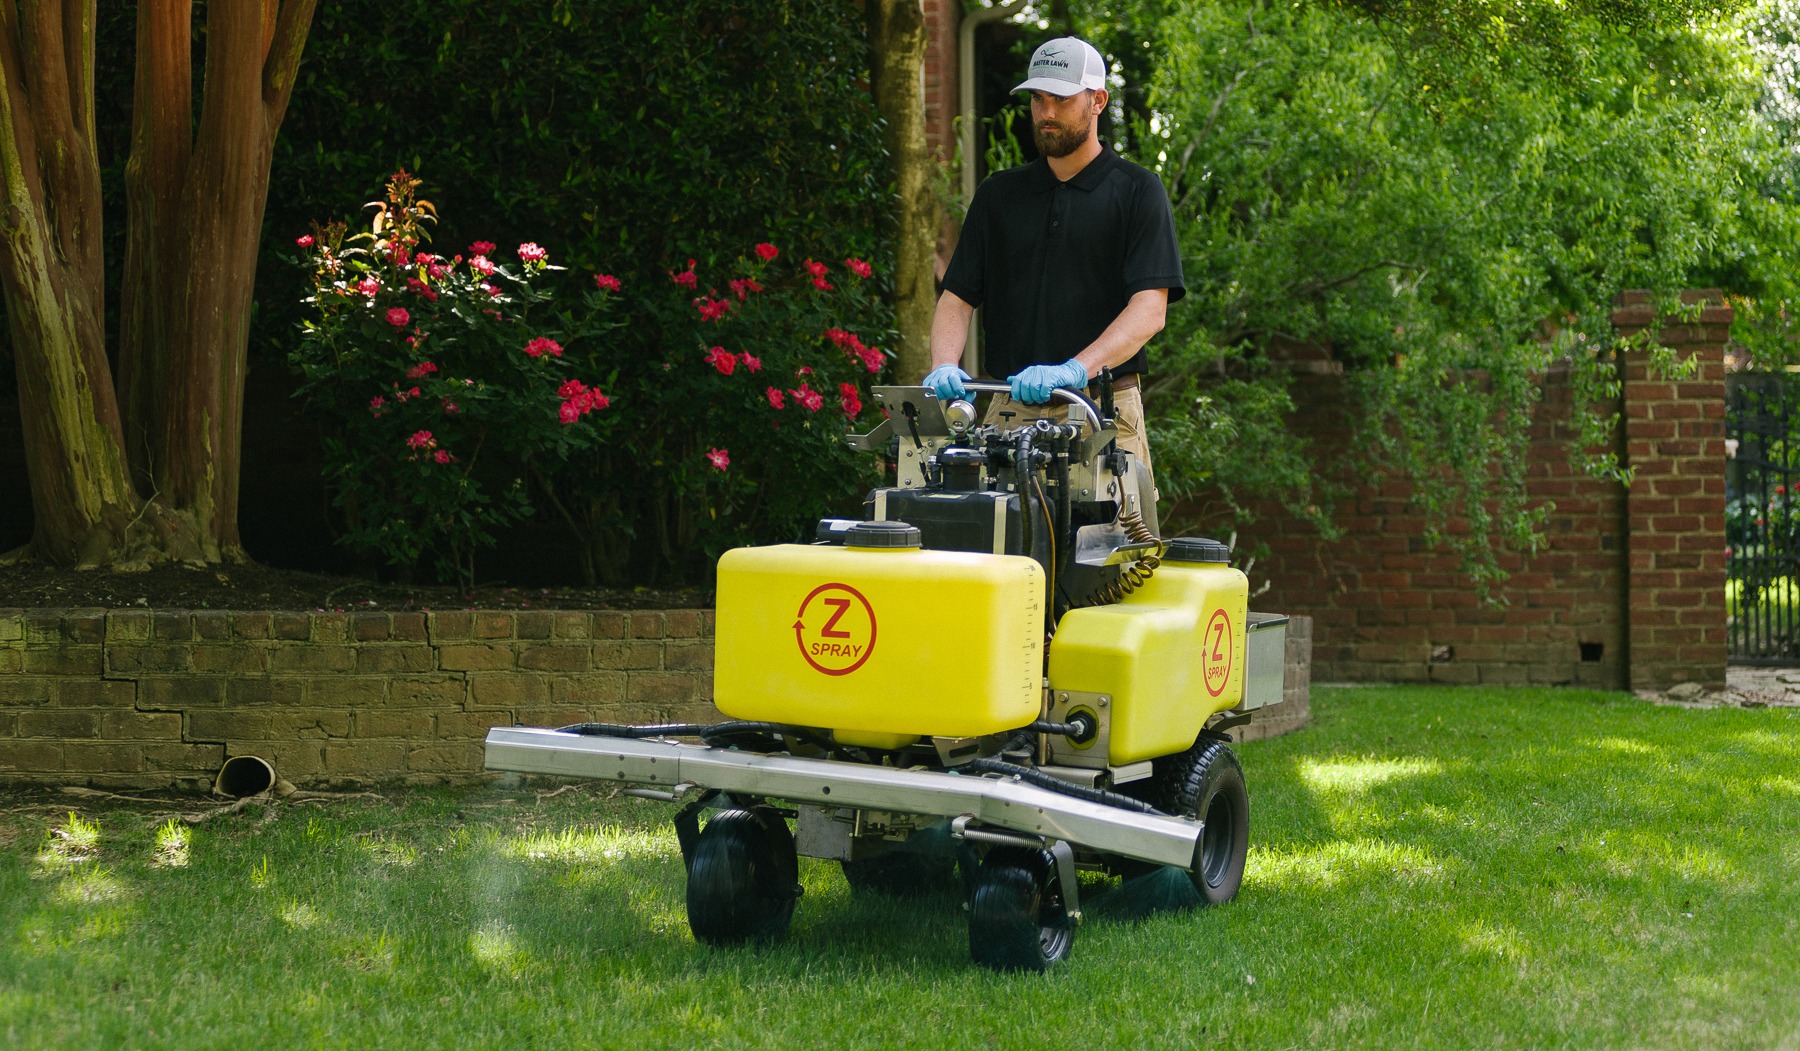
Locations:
(1142, 318)
(950, 329)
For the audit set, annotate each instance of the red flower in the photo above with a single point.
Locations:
(859, 268)
(450, 407)
(743, 286)
(399, 253)
(368, 286)
(398, 317)
(767, 252)
(606, 282)
(750, 361)
(532, 252)
(480, 265)
(420, 440)
(821, 284)
(494, 291)
(375, 405)
(568, 413)
(415, 285)
(722, 359)
(811, 399)
(686, 278)
(442, 457)
(873, 359)
(304, 240)
(481, 247)
(712, 309)
(849, 399)
(719, 458)
(542, 345)
(776, 399)
(421, 370)
(816, 269)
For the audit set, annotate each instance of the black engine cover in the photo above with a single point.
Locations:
(953, 521)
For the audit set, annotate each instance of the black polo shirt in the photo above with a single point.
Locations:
(1053, 263)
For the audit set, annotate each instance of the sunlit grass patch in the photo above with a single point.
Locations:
(74, 842)
(173, 840)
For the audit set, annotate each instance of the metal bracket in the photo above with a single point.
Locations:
(1061, 855)
(1071, 883)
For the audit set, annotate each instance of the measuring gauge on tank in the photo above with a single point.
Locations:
(959, 415)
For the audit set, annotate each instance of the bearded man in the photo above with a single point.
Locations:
(1071, 258)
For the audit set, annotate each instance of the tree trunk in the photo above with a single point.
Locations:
(897, 77)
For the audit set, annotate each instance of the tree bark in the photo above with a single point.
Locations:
(896, 31)
(195, 202)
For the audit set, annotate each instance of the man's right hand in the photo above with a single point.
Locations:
(948, 381)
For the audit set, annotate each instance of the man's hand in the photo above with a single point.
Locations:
(948, 381)
(1033, 385)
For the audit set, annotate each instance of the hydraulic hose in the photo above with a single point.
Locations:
(710, 733)
(1056, 784)
(623, 730)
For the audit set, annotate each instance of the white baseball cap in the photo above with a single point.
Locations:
(1065, 66)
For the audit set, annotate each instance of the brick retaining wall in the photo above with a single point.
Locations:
(153, 699)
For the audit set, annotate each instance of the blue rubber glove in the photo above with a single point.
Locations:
(948, 381)
(1033, 385)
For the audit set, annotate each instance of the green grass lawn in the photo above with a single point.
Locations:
(1428, 868)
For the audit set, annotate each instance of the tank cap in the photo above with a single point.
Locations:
(1196, 549)
(882, 534)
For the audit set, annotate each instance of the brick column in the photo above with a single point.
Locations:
(1674, 442)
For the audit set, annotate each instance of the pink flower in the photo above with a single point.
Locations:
(750, 361)
(304, 240)
(442, 457)
(375, 405)
(816, 269)
(767, 252)
(849, 399)
(859, 268)
(421, 370)
(873, 359)
(368, 286)
(532, 252)
(719, 458)
(686, 278)
(811, 399)
(570, 389)
(420, 440)
(419, 287)
(568, 413)
(776, 399)
(450, 407)
(743, 286)
(821, 284)
(722, 359)
(606, 282)
(712, 309)
(481, 248)
(413, 393)
(578, 400)
(480, 265)
(398, 317)
(543, 345)
(400, 253)
(494, 291)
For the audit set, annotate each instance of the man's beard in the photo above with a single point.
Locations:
(1059, 140)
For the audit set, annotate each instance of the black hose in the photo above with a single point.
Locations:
(622, 730)
(1078, 728)
(1057, 784)
(710, 733)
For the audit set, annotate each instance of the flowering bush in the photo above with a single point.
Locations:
(447, 382)
(735, 382)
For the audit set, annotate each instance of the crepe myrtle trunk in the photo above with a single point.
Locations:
(149, 473)
(896, 30)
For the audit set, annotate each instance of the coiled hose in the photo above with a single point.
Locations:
(1138, 572)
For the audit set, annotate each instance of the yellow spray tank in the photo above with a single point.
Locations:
(879, 640)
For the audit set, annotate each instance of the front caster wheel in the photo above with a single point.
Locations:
(743, 878)
(1017, 920)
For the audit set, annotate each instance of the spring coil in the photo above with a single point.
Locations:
(1138, 572)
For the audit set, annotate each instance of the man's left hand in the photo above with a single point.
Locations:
(1034, 384)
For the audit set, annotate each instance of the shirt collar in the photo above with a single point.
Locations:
(1044, 180)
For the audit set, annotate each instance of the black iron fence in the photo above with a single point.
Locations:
(1762, 516)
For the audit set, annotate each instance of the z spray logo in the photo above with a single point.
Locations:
(835, 629)
(1215, 661)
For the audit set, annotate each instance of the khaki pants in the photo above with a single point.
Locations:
(1128, 419)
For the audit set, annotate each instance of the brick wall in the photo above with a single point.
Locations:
(1628, 594)
(128, 698)
(153, 699)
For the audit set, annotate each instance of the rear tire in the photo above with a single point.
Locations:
(1017, 919)
(743, 879)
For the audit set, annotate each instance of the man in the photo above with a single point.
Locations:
(1072, 257)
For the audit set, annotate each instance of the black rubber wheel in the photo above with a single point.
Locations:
(743, 879)
(1206, 782)
(1017, 921)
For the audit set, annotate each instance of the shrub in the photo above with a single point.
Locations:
(446, 382)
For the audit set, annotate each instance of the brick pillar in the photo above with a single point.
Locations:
(1674, 442)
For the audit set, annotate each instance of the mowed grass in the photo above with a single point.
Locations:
(1429, 868)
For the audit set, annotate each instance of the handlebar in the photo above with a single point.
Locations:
(1073, 397)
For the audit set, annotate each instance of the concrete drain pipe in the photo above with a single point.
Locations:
(244, 775)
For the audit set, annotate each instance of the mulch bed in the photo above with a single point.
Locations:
(256, 587)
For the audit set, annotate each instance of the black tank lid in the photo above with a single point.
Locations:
(1196, 549)
(882, 534)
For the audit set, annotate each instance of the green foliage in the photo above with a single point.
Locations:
(444, 381)
(1444, 245)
